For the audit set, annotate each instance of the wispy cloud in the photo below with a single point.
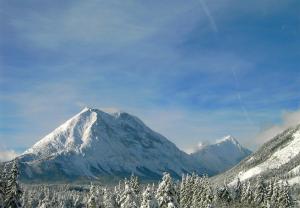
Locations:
(89, 24)
(209, 16)
(289, 119)
(6, 155)
(243, 107)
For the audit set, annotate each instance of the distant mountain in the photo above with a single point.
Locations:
(222, 155)
(278, 157)
(98, 144)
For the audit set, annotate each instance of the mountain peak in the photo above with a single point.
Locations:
(228, 138)
(86, 108)
(95, 142)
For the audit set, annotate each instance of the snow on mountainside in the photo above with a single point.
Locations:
(278, 157)
(94, 143)
(222, 155)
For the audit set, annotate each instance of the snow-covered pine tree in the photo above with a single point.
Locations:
(184, 192)
(3, 184)
(128, 198)
(223, 194)
(177, 190)
(91, 202)
(108, 199)
(92, 198)
(284, 199)
(78, 202)
(269, 192)
(32, 200)
(187, 188)
(118, 191)
(135, 186)
(99, 196)
(259, 191)
(196, 200)
(25, 196)
(166, 193)
(2, 191)
(148, 199)
(247, 194)
(208, 195)
(55, 201)
(13, 192)
(238, 191)
(46, 203)
(276, 192)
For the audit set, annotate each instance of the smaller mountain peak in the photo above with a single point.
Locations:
(85, 109)
(228, 138)
(110, 111)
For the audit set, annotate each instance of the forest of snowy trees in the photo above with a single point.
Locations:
(192, 191)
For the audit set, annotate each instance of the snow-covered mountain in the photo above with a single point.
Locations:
(278, 157)
(94, 143)
(222, 155)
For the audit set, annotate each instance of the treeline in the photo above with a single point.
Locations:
(192, 191)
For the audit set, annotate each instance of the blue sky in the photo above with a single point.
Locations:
(192, 70)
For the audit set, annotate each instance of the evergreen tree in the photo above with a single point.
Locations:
(238, 191)
(166, 194)
(32, 200)
(208, 195)
(247, 195)
(275, 195)
(197, 193)
(46, 203)
(135, 184)
(99, 196)
(108, 199)
(13, 192)
(92, 198)
(186, 191)
(182, 191)
(269, 193)
(226, 194)
(148, 199)
(2, 187)
(78, 202)
(285, 200)
(118, 192)
(259, 191)
(3, 184)
(92, 202)
(128, 198)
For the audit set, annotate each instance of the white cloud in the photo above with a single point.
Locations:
(197, 147)
(289, 119)
(6, 155)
